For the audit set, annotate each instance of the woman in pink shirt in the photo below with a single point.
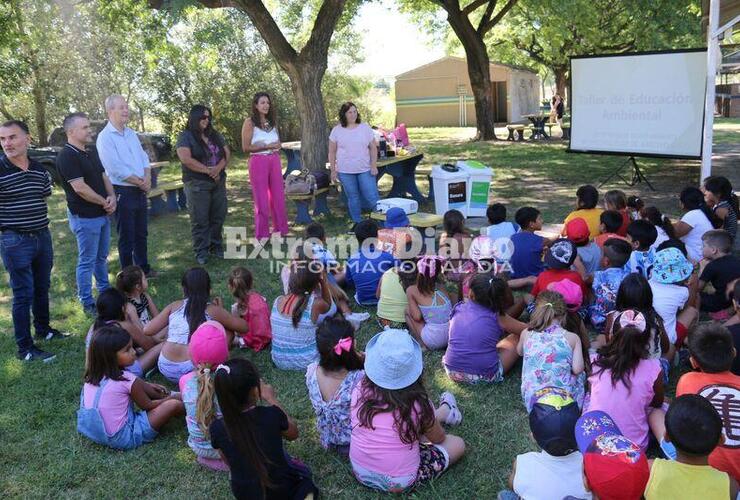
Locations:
(352, 159)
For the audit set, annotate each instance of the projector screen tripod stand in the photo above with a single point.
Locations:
(637, 174)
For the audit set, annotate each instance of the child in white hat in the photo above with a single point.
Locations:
(391, 413)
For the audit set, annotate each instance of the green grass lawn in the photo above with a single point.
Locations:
(43, 456)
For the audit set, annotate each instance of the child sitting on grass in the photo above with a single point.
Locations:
(528, 247)
(588, 251)
(208, 349)
(626, 385)
(552, 355)
(635, 204)
(694, 427)
(662, 224)
(609, 223)
(718, 194)
(106, 415)
(616, 200)
(721, 269)
(559, 258)
(397, 440)
(669, 283)
(587, 197)
(499, 226)
(557, 470)
(111, 309)
(429, 304)
(712, 353)
(454, 244)
(132, 283)
(364, 268)
(396, 235)
(483, 338)
(607, 281)
(642, 235)
(249, 437)
(252, 308)
(392, 300)
(330, 382)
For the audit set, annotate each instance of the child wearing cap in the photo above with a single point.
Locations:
(642, 235)
(396, 235)
(557, 470)
(625, 384)
(614, 466)
(694, 427)
(616, 253)
(722, 268)
(671, 272)
(589, 252)
(553, 356)
(609, 223)
(397, 438)
(559, 258)
(208, 348)
(712, 353)
(587, 197)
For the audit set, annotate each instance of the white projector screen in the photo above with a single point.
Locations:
(648, 104)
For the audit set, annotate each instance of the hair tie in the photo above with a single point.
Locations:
(206, 370)
(634, 319)
(428, 263)
(224, 368)
(344, 344)
(548, 304)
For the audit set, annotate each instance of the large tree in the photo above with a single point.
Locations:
(305, 67)
(551, 31)
(471, 21)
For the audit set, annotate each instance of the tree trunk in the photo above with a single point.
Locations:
(39, 108)
(306, 86)
(561, 82)
(479, 72)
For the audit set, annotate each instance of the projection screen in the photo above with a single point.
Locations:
(640, 104)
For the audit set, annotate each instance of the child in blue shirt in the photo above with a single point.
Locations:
(527, 257)
(606, 282)
(500, 227)
(364, 268)
(642, 234)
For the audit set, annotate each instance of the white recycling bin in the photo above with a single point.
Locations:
(479, 183)
(450, 190)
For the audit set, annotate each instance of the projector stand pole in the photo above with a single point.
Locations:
(637, 174)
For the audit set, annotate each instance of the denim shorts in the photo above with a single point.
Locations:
(135, 432)
(172, 370)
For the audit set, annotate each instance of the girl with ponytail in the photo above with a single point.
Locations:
(249, 437)
(482, 338)
(208, 349)
(697, 220)
(296, 315)
(719, 195)
(553, 356)
(183, 317)
(662, 224)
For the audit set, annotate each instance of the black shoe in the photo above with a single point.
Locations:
(151, 273)
(52, 334)
(36, 354)
(202, 260)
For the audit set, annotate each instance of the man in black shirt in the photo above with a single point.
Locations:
(25, 243)
(90, 200)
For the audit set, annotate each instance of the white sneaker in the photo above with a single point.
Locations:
(356, 319)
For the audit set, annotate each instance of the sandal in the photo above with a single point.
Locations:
(455, 416)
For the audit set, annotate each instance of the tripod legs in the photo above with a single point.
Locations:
(637, 174)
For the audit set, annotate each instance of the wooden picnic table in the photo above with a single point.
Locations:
(538, 125)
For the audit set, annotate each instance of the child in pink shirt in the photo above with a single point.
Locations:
(625, 385)
(252, 308)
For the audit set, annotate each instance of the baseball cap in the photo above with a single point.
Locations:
(552, 420)
(396, 217)
(561, 254)
(577, 230)
(616, 468)
(571, 292)
(208, 344)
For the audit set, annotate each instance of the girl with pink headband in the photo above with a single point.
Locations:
(430, 306)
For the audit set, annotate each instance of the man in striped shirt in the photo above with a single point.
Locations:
(25, 241)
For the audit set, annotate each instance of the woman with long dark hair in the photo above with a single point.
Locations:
(697, 220)
(261, 140)
(204, 156)
(353, 158)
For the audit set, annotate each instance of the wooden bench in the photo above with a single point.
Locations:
(419, 219)
(516, 132)
(174, 198)
(303, 201)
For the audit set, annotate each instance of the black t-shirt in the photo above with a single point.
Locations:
(735, 331)
(73, 164)
(186, 139)
(268, 423)
(720, 272)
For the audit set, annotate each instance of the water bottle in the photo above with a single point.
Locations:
(382, 147)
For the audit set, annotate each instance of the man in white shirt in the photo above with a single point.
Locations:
(127, 166)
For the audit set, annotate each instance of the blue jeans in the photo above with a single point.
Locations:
(356, 185)
(131, 224)
(28, 258)
(93, 244)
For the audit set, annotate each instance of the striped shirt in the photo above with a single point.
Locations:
(22, 196)
(730, 222)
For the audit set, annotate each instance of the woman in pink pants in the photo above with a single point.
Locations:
(260, 139)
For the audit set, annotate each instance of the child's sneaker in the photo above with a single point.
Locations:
(455, 415)
(356, 319)
(241, 343)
